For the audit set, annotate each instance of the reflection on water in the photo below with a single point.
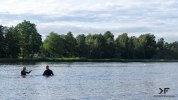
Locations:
(89, 81)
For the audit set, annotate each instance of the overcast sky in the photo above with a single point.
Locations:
(135, 17)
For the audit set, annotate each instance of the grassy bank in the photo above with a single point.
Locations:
(81, 60)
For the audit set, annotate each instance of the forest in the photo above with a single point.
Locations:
(24, 41)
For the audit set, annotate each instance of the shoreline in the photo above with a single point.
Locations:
(5, 60)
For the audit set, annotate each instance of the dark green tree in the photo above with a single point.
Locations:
(53, 45)
(173, 47)
(2, 42)
(109, 47)
(95, 44)
(132, 45)
(161, 51)
(12, 43)
(70, 45)
(147, 46)
(29, 39)
(81, 46)
(122, 43)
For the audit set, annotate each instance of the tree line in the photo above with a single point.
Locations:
(24, 41)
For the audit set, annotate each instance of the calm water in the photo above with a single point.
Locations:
(89, 81)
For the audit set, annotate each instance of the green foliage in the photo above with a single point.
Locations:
(122, 43)
(29, 38)
(95, 44)
(101, 46)
(2, 43)
(81, 46)
(24, 41)
(109, 48)
(12, 43)
(147, 46)
(8, 42)
(70, 45)
(53, 45)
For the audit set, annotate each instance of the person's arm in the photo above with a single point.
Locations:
(52, 73)
(28, 72)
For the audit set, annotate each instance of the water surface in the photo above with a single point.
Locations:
(89, 81)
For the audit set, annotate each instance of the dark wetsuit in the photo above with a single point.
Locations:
(23, 72)
(48, 72)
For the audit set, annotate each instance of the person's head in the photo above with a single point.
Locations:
(47, 67)
(24, 68)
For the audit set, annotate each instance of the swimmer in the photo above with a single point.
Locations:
(48, 72)
(24, 72)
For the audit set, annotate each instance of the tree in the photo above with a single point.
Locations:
(24, 40)
(12, 43)
(161, 51)
(53, 45)
(173, 47)
(95, 44)
(2, 42)
(122, 45)
(70, 45)
(147, 46)
(160, 44)
(81, 45)
(109, 48)
(29, 39)
(132, 45)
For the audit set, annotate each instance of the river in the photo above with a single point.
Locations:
(90, 81)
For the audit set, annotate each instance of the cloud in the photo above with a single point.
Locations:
(94, 16)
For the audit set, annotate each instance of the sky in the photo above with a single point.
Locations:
(135, 17)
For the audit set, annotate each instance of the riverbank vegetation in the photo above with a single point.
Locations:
(24, 42)
(31, 60)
